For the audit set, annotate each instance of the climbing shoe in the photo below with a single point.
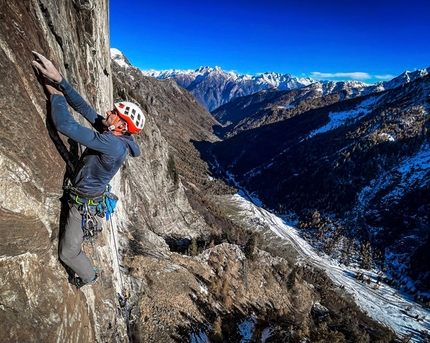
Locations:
(94, 280)
(77, 281)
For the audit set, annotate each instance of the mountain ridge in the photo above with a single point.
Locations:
(230, 85)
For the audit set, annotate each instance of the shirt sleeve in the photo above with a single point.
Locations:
(67, 125)
(75, 100)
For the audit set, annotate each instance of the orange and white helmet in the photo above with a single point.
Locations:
(132, 114)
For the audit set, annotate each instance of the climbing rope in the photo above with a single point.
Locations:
(122, 298)
(100, 271)
(88, 220)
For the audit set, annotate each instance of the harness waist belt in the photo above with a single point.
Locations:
(90, 201)
(75, 192)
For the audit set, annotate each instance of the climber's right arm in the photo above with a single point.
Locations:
(67, 125)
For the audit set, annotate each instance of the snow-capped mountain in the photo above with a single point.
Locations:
(405, 77)
(264, 80)
(213, 87)
(119, 58)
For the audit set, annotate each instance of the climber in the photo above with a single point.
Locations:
(106, 149)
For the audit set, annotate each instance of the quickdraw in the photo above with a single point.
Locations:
(122, 298)
(90, 224)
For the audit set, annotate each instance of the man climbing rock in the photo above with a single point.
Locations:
(106, 149)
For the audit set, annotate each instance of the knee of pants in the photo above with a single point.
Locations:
(69, 251)
(66, 255)
(71, 241)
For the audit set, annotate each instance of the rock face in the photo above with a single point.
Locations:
(37, 303)
(34, 160)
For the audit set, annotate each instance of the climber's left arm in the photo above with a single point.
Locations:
(74, 99)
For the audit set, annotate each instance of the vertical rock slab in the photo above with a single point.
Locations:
(36, 302)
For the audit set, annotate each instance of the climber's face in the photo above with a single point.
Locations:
(112, 118)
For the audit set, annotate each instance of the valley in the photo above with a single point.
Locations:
(382, 302)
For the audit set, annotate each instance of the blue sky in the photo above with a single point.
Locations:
(364, 40)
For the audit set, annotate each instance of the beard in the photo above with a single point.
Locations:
(104, 122)
(107, 125)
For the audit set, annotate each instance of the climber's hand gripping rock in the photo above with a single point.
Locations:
(46, 67)
(51, 74)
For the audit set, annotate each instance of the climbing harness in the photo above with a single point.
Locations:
(91, 207)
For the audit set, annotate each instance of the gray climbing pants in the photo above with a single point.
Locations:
(70, 246)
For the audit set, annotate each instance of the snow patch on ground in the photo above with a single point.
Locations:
(411, 171)
(340, 118)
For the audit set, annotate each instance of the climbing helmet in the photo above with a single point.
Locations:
(132, 114)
